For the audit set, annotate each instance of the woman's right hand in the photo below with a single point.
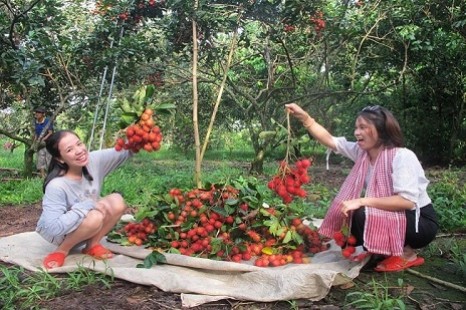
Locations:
(297, 112)
(316, 130)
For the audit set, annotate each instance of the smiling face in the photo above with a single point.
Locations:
(73, 151)
(366, 135)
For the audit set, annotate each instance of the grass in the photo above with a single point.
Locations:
(22, 290)
(16, 190)
(375, 296)
(148, 174)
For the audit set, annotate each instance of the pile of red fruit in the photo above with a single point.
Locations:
(216, 223)
(347, 243)
(138, 232)
(144, 134)
(288, 181)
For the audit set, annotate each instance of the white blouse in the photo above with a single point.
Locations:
(409, 180)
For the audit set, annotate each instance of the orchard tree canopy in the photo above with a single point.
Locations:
(332, 57)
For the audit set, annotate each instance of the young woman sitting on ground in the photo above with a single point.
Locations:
(73, 213)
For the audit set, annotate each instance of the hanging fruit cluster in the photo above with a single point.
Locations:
(318, 20)
(145, 134)
(227, 223)
(288, 181)
(139, 130)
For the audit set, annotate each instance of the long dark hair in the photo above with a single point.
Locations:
(57, 168)
(385, 123)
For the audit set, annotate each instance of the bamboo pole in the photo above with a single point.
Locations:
(197, 168)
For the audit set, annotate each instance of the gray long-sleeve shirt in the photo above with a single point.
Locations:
(66, 202)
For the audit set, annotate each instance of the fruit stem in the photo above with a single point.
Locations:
(288, 139)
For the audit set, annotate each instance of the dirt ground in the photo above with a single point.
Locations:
(126, 295)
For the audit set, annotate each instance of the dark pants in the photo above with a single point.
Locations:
(428, 226)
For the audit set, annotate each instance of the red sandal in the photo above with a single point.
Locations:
(397, 263)
(54, 260)
(98, 252)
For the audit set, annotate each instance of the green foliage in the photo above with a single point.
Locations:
(8, 158)
(435, 105)
(153, 259)
(13, 188)
(450, 248)
(21, 191)
(448, 194)
(461, 261)
(82, 277)
(168, 169)
(379, 298)
(296, 65)
(319, 199)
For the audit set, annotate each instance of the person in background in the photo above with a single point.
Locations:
(384, 198)
(43, 128)
(73, 213)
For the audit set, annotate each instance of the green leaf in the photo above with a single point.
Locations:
(152, 259)
(150, 89)
(287, 237)
(230, 209)
(220, 211)
(231, 201)
(216, 244)
(297, 238)
(129, 117)
(273, 225)
(165, 107)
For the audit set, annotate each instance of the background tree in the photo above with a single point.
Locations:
(45, 61)
(333, 57)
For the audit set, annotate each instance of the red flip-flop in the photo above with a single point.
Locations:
(397, 263)
(54, 260)
(98, 252)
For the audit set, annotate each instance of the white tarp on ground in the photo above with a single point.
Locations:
(198, 280)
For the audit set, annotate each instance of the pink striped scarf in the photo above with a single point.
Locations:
(384, 231)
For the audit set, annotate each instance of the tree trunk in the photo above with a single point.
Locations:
(28, 161)
(257, 166)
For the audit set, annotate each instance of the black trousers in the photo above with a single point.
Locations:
(428, 226)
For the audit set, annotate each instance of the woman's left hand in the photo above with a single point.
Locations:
(350, 205)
